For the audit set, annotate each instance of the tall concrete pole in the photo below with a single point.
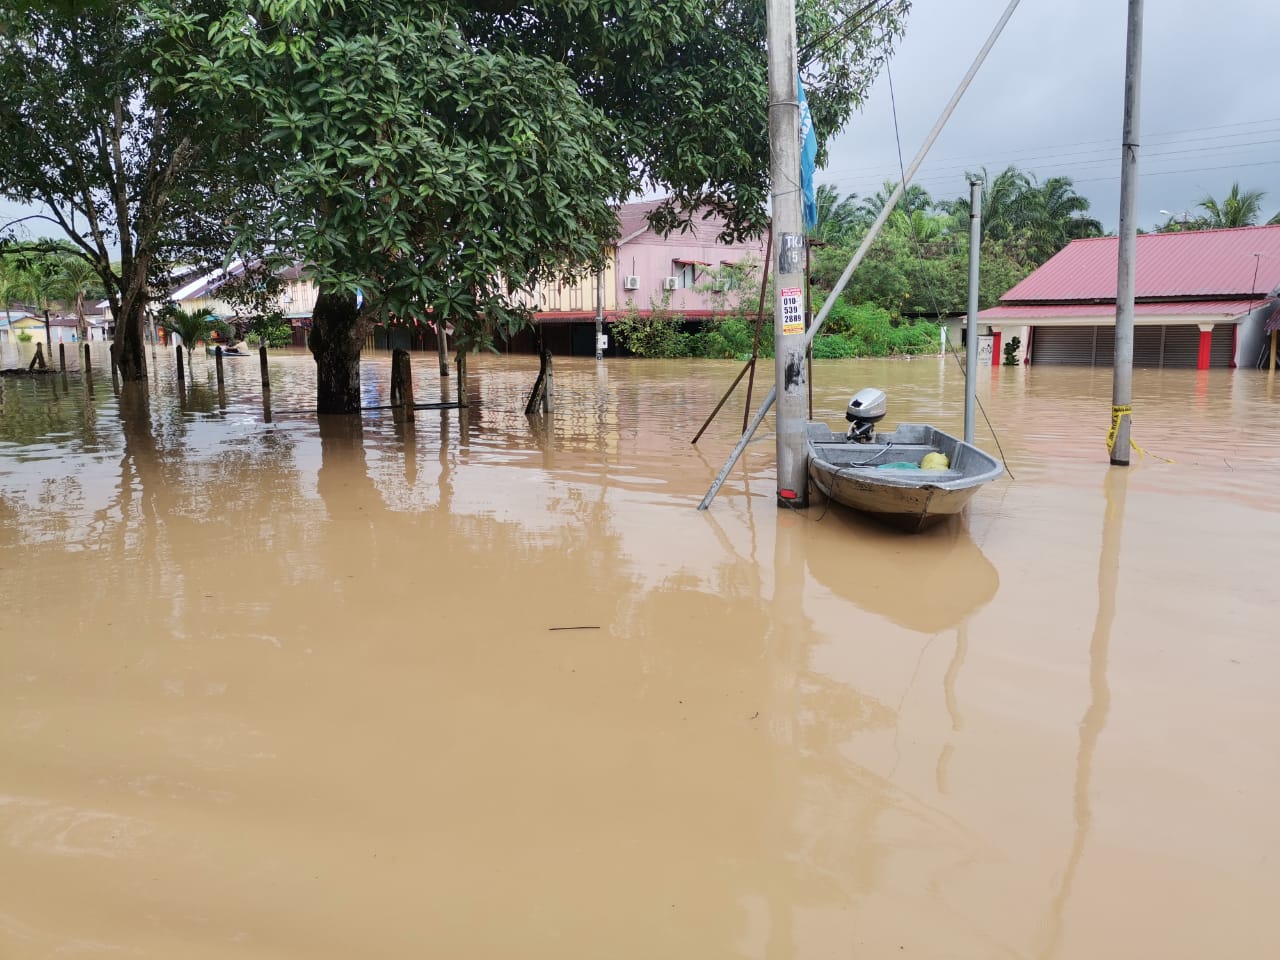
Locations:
(971, 326)
(788, 246)
(1122, 383)
(599, 312)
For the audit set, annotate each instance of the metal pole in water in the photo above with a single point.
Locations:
(788, 232)
(971, 325)
(599, 312)
(1122, 382)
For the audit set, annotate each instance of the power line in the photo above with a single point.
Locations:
(1107, 152)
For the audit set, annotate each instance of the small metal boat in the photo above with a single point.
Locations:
(212, 348)
(886, 476)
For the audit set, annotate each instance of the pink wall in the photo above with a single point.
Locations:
(650, 258)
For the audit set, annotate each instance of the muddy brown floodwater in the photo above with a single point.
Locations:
(299, 690)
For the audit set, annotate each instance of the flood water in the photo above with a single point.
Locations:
(490, 687)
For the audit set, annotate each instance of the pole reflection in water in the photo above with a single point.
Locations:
(1093, 722)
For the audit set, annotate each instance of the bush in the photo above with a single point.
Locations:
(272, 329)
(834, 347)
(724, 338)
(24, 336)
(657, 336)
(867, 330)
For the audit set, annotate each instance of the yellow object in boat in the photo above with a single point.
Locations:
(935, 461)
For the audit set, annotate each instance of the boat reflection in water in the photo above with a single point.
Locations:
(927, 583)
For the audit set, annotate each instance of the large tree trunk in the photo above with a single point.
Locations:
(128, 348)
(337, 334)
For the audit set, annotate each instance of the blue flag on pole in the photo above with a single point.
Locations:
(808, 157)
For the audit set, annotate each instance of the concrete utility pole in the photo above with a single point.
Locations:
(788, 246)
(971, 325)
(1122, 383)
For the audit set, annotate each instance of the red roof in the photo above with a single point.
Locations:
(1226, 264)
(1046, 311)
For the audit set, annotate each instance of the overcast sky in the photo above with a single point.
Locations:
(1050, 99)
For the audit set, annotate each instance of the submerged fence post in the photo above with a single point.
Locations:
(62, 356)
(262, 364)
(182, 377)
(217, 366)
(460, 362)
(401, 384)
(88, 369)
(442, 347)
(548, 393)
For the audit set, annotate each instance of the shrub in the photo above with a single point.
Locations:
(657, 336)
(834, 347)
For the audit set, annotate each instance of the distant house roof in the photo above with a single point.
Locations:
(202, 285)
(633, 222)
(1242, 263)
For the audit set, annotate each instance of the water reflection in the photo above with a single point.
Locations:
(1094, 721)
(928, 583)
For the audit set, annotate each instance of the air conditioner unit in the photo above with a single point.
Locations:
(668, 283)
(630, 282)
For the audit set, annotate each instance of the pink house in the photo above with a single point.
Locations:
(691, 274)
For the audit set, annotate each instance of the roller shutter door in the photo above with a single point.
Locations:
(1177, 345)
(1148, 343)
(1223, 350)
(1104, 346)
(1181, 345)
(1071, 345)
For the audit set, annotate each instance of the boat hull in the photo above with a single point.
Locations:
(909, 498)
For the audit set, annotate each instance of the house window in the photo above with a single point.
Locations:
(685, 273)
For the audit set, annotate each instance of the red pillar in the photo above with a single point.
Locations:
(995, 348)
(1206, 344)
(1235, 344)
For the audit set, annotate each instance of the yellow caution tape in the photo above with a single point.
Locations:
(1116, 413)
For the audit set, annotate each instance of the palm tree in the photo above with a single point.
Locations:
(73, 281)
(1033, 220)
(1274, 221)
(192, 326)
(838, 218)
(10, 288)
(1236, 210)
(913, 198)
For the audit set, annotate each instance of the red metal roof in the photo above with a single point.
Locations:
(1198, 263)
(1217, 309)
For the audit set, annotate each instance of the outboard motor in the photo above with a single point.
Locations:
(866, 409)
